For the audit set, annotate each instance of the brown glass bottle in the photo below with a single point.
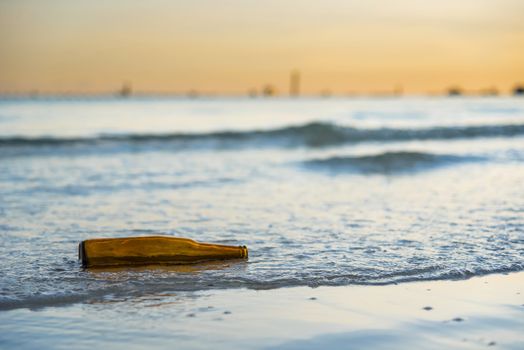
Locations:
(153, 250)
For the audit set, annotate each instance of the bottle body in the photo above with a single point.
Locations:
(153, 250)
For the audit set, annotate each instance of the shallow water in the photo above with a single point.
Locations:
(323, 192)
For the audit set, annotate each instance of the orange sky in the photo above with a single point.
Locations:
(231, 46)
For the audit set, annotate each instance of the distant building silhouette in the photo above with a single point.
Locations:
(268, 91)
(192, 93)
(454, 91)
(126, 90)
(518, 90)
(294, 83)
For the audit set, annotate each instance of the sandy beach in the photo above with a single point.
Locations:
(467, 314)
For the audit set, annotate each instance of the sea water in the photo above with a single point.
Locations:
(334, 191)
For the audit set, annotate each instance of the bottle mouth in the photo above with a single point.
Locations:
(243, 252)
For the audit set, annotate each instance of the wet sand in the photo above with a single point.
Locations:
(482, 312)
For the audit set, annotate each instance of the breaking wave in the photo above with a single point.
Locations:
(387, 162)
(315, 134)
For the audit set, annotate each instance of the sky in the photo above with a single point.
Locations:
(232, 46)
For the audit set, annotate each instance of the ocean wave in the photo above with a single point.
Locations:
(315, 134)
(387, 162)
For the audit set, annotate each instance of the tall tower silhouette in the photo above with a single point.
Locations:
(126, 90)
(294, 83)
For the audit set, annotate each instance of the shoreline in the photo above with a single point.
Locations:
(484, 311)
(97, 296)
